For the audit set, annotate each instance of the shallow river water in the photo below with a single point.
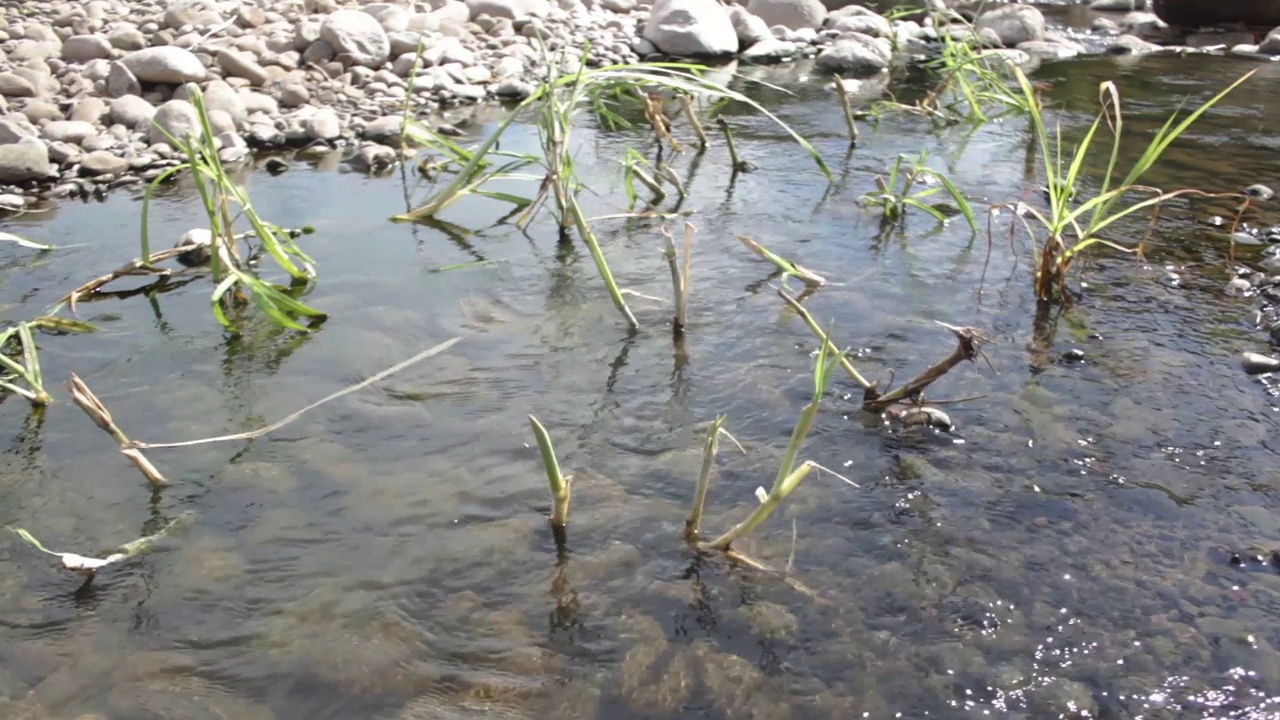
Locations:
(1065, 553)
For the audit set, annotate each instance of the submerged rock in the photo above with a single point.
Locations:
(1258, 364)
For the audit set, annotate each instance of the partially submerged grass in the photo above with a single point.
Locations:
(973, 86)
(680, 266)
(28, 370)
(1071, 225)
(897, 193)
(555, 107)
(558, 482)
(88, 566)
(788, 268)
(225, 202)
(789, 474)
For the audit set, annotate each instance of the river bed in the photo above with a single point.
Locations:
(1066, 552)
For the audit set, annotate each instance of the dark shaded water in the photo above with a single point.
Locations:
(386, 556)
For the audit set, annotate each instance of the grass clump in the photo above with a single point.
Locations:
(894, 195)
(555, 107)
(1071, 224)
(27, 369)
(226, 202)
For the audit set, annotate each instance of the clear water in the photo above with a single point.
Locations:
(386, 556)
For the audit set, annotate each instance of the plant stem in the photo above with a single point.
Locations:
(704, 480)
(584, 229)
(770, 503)
(559, 483)
(847, 108)
(848, 367)
(692, 114)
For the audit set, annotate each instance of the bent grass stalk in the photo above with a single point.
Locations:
(88, 566)
(789, 475)
(93, 407)
(1069, 230)
(28, 370)
(558, 482)
(788, 268)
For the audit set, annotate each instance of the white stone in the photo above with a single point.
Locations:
(130, 111)
(68, 131)
(164, 64)
(358, 35)
(751, 29)
(177, 118)
(691, 28)
(27, 159)
(1013, 24)
(792, 14)
(323, 125)
(83, 48)
(855, 55)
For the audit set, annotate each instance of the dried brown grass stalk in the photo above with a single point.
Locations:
(436, 350)
(93, 407)
(137, 266)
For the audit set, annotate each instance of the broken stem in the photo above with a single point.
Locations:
(704, 480)
(847, 366)
(694, 120)
(93, 407)
(968, 340)
(847, 108)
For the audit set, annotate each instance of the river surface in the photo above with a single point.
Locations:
(1066, 552)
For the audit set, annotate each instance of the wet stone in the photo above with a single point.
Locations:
(1259, 192)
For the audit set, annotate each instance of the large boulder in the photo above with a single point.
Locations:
(1202, 13)
(164, 64)
(855, 55)
(27, 159)
(884, 6)
(1013, 24)
(751, 29)
(358, 35)
(512, 9)
(791, 14)
(691, 28)
(856, 18)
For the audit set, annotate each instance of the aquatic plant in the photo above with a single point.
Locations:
(789, 474)
(1072, 224)
(555, 106)
(969, 342)
(680, 268)
(788, 268)
(225, 202)
(26, 242)
(83, 397)
(846, 109)
(894, 195)
(558, 482)
(28, 370)
(88, 566)
(974, 86)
